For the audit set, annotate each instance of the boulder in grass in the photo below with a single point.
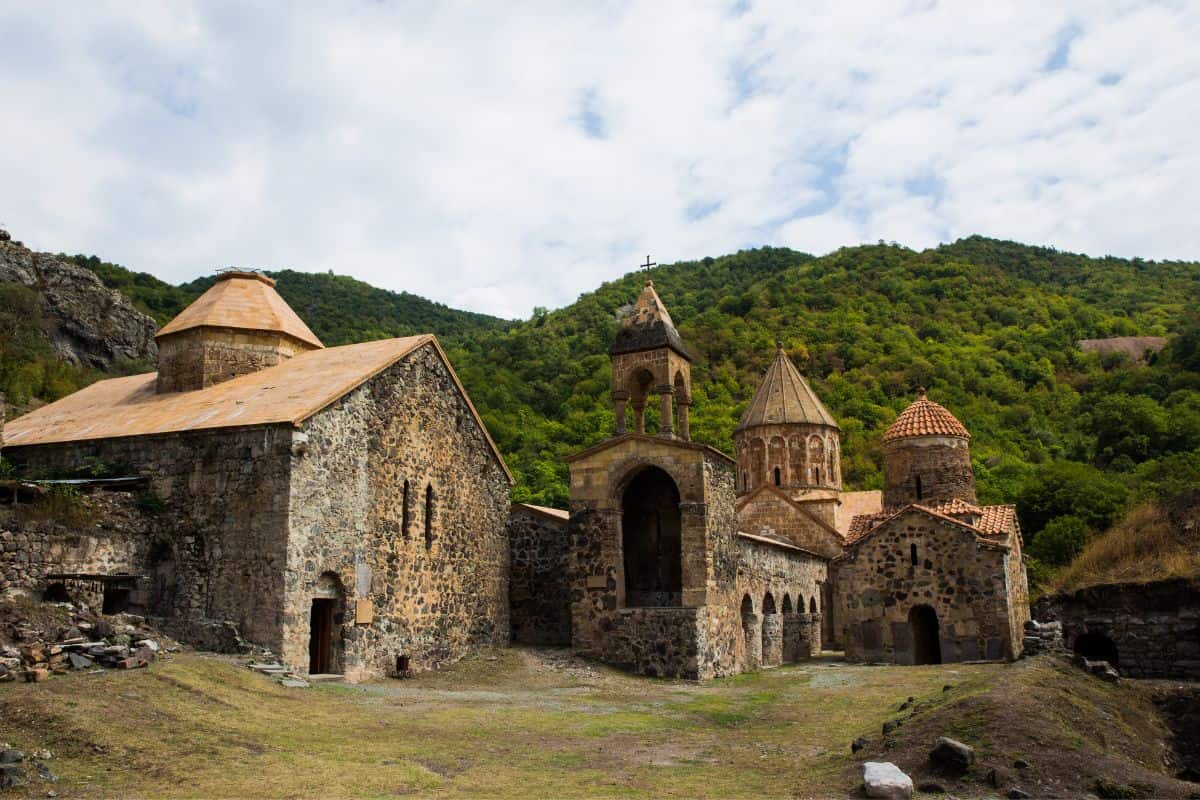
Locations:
(951, 756)
(883, 779)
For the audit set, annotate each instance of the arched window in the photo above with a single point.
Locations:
(428, 516)
(406, 515)
(812, 604)
(778, 477)
(912, 552)
(816, 474)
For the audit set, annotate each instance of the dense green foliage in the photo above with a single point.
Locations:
(989, 326)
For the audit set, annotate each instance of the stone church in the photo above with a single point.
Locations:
(677, 560)
(343, 506)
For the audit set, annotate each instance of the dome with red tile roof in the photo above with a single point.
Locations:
(925, 418)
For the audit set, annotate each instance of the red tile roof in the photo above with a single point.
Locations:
(925, 418)
(993, 521)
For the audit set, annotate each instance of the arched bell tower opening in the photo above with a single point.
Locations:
(652, 542)
(650, 359)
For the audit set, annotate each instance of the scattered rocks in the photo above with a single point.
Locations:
(1101, 669)
(883, 779)
(10, 776)
(10, 756)
(293, 683)
(858, 744)
(891, 725)
(951, 756)
(931, 787)
(1016, 794)
(1021, 763)
(1042, 637)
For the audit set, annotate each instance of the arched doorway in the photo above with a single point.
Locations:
(1096, 647)
(751, 633)
(923, 626)
(651, 539)
(324, 630)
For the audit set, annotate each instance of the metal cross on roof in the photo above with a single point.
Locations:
(648, 265)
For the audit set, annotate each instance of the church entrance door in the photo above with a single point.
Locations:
(927, 647)
(320, 642)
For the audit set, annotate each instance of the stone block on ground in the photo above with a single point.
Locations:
(883, 779)
(950, 755)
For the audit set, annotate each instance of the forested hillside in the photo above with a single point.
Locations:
(989, 326)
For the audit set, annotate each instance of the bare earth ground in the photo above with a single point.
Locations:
(541, 723)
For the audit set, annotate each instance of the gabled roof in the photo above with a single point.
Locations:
(785, 397)
(554, 514)
(613, 441)
(648, 327)
(287, 393)
(778, 541)
(995, 523)
(243, 301)
(800, 507)
(925, 418)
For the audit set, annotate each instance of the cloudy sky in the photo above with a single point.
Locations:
(498, 156)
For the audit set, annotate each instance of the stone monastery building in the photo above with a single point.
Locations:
(346, 508)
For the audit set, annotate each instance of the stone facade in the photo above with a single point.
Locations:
(1145, 630)
(794, 457)
(770, 512)
(261, 520)
(200, 357)
(779, 604)
(916, 561)
(538, 587)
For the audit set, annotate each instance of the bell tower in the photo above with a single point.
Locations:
(650, 358)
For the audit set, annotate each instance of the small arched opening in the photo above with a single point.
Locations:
(812, 604)
(926, 644)
(429, 516)
(1097, 647)
(786, 605)
(652, 541)
(324, 626)
(406, 512)
(772, 633)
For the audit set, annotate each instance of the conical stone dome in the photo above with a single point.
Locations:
(648, 327)
(784, 397)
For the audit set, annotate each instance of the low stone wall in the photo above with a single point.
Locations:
(659, 642)
(1154, 628)
(538, 589)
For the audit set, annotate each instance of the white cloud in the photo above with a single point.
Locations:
(502, 156)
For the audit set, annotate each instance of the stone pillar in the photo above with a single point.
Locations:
(772, 640)
(794, 648)
(639, 415)
(752, 632)
(685, 426)
(815, 638)
(804, 634)
(666, 414)
(620, 400)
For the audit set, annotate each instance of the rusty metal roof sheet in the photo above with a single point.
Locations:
(785, 397)
(289, 392)
(925, 418)
(243, 301)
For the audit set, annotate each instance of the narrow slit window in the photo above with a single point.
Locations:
(778, 477)
(406, 516)
(912, 551)
(816, 474)
(429, 516)
(920, 494)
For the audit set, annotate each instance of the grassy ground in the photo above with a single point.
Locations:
(510, 723)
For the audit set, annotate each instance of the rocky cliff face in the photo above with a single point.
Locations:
(88, 323)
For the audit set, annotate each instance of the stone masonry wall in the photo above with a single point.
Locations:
(217, 551)
(402, 592)
(539, 592)
(768, 513)
(1155, 627)
(943, 463)
(200, 357)
(790, 632)
(114, 539)
(961, 578)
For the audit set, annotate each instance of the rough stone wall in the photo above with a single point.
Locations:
(1155, 626)
(114, 539)
(769, 514)
(792, 579)
(201, 357)
(401, 593)
(1017, 589)
(218, 550)
(709, 561)
(943, 464)
(539, 592)
(962, 579)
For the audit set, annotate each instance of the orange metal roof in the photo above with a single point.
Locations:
(925, 418)
(244, 301)
(289, 392)
(785, 397)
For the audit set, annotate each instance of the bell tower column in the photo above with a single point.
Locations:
(666, 417)
(685, 428)
(620, 401)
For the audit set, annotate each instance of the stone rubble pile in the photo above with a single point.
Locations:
(12, 773)
(33, 652)
(1042, 637)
